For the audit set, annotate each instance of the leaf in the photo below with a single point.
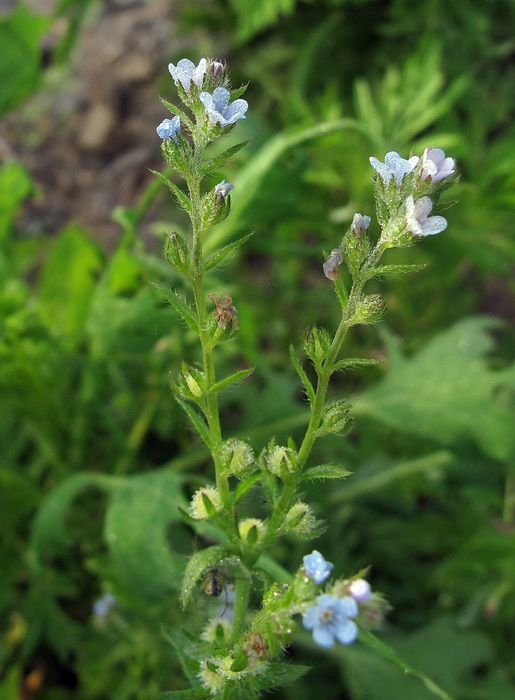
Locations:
(181, 307)
(256, 15)
(325, 471)
(220, 159)
(197, 566)
(310, 391)
(351, 362)
(191, 694)
(447, 392)
(197, 421)
(181, 196)
(277, 675)
(245, 486)
(67, 282)
(176, 110)
(232, 379)
(20, 67)
(220, 255)
(394, 270)
(15, 185)
(139, 513)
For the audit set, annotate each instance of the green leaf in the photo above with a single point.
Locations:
(310, 391)
(351, 362)
(232, 379)
(191, 694)
(181, 307)
(221, 254)
(20, 67)
(277, 675)
(245, 486)
(198, 564)
(256, 15)
(67, 282)
(325, 471)
(139, 514)
(220, 159)
(15, 186)
(176, 110)
(386, 270)
(181, 196)
(197, 421)
(447, 392)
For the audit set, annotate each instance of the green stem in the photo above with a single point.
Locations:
(241, 604)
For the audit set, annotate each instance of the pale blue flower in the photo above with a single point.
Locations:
(186, 73)
(360, 223)
(218, 108)
(360, 590)
(393, 166)
(316, 567)
(103, 605)
(169, 128)
(417, 220)
(329, 619)
(222, 189)
(436, 166)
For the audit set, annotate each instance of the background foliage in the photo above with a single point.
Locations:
(95, 456)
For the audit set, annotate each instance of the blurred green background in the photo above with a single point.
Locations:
(95, 456)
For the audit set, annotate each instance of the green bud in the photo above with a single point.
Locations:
(192, 383)
(336, 419)
(282, 461)
(356, 248)
(214, 209)
(237, 457)
(177, 252)
(369, 309)
(316, 345)
(300, 520)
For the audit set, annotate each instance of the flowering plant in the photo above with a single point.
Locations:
(235, 652)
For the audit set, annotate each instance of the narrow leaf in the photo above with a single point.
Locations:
(245, 486)
(175, 110)
(380, 647)
(326, 471)
(197, 421)
(303, 376)
(183, 309)
(181, 196)
(394, 270)
(220, 159)
(220, 255)
(198, 564)
(232, 379)
(350, 362)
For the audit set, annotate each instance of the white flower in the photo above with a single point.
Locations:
(417, 221)
(393, 166)
(435, 165)
(186, 73)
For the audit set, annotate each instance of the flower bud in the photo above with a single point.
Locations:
(205, 503)
(191, 383)
(316, 345)
(369, 309)
(177, 253)
(355, 244)
(282, 461)
(251, 530)
(300, 520)
(332, 264)
(336, 419)
(237, 457)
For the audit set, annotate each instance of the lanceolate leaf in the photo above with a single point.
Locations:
(183, 309)
(197, 421)
(198, 565)
(220, 255)
(236, 377)
(303, 376)
(215, 162)
(326, 471)
(182, 116)
(182, 198)
(351, 362)
(394, 270)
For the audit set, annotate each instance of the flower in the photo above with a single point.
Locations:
(186, 73)
(222, 189)
(103, 605)
(331, 265)
(169, 128)
(393, 166)
(435, 165)
(316, 567)
(360, 590)
(329, 618)
(218, 108)
(417, 221)
(360, 223)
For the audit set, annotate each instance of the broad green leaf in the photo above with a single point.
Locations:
(220, 255)
(20, 67)
(139, 513)
(198, 422)
(220, 159)
(198, 564)
(15, 185)
(447, 392)
(232, 379)
(181, 307)
(326, 471)
(67, 282)
(303, 376)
